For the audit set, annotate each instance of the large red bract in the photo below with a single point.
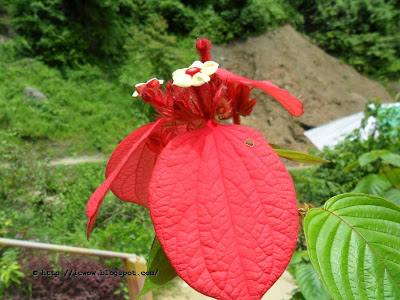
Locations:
(225, 212)
(132, 183)
(97, 197)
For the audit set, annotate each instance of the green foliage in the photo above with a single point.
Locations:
(69, 33)
(299, 257)
(158, 261)
(393, 195)
(368, 157)
(387, 124)
(4, 22)
(73, 32)
(366, 34)
(221, 21)
(152, 52)
(181, 19)
(9, 269)
(297, 295)
(337, 177)
(54, 201)
(372, 184)
(353, 243)
(310, 284)
(388, 178)
(94, 118)
(226, 20)
(300, 157)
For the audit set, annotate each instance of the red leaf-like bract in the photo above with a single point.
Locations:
(97, 197)
(132, 183)
(224, 209)
(291, 103)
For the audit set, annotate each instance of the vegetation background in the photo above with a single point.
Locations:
(84, 57)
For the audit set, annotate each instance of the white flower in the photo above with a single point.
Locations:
(140, 86)
(197, 74)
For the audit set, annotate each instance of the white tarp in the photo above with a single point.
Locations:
(334, 132)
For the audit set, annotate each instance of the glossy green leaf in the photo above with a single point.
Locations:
(393, 195)
(391, 158)
(368, 157)
(300, 157)
(373, 184)
(158, 261)
(310, 284)
(354, 244)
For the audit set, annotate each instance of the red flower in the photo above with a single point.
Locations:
(221, 201)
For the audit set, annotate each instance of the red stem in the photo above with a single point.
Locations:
(236, 118)
(203, 47)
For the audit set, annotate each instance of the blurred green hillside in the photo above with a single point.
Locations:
(84, 58)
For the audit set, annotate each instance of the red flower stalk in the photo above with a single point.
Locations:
(221, 201)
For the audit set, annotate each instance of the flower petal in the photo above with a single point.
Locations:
(196, 64)
(182, 80)
(209, 68)
(224, 210)
(97, 197)
(178, 72)
(199, 79)
(291, 103)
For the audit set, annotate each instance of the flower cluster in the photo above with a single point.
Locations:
(221, 201)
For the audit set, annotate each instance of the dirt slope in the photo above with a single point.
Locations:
(328, 88)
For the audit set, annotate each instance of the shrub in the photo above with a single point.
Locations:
(180, 19)
(69, 33)
(366, 34)
(227, 20)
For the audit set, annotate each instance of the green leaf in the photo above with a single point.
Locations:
(274, 146)
(354, 244)
(16, 280)
(393, 175)
(300, 157)
(297, 295)
(391, 158)
(372, 184)
(310, 284)
(157, 261)
(368, 157)
(393, 195)
(299, 256)
(351, 166)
